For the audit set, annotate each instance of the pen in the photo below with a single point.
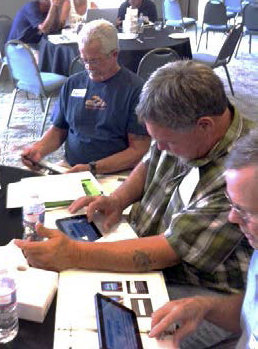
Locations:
(139, 40)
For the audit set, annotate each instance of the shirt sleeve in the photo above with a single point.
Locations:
(152, 12)
(34, 16)
(202, 235)
(122, 11)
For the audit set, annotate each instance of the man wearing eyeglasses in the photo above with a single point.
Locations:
(242, 192)
(95, 116)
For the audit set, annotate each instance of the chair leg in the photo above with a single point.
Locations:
(238, 45)
(199, 41)
(41, 103)
(229, 80)
(207, 40)
(195, 34)
(250, 43)
(12, 104)
(45, 116)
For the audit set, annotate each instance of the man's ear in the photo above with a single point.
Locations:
(206, 123)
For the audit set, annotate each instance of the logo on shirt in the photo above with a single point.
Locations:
(95, 103)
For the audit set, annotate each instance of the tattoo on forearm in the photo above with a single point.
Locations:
(142, 261)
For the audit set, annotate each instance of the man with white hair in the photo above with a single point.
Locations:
(95, 114)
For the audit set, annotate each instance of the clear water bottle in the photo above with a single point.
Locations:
(140, 23)
(33, 212)
(9, 324)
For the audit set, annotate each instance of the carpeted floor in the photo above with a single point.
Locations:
(26, 119)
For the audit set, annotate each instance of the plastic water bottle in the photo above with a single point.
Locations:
(140, 23)
(9, 324)
(33, 212)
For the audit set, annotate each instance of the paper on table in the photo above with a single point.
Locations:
(50, 188)
(178, 35)
(63, 38)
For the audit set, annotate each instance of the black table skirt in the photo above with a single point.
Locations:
(31, 335)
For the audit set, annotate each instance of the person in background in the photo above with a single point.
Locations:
(37, 18)
(95, 115)
(146, 7)
(178, 189)
(242, 191)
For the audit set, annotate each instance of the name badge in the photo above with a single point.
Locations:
(253, 343)
(78, 92)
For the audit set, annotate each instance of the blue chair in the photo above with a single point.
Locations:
(5, 26)
(26, 77)
(214, 20)
(225, 54)
(173, 16)
(233, 8)
(250, 23)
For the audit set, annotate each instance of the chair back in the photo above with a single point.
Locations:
(110, 14)
(154, 59)
(250, 16)
(5, 26)
(76, 66)
(23, 67)
(233, 5)
(230, 44)
(172, 10)
(215, 13)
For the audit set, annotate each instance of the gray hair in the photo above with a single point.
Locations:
(244, 152)
(101, 30)
(177, 94)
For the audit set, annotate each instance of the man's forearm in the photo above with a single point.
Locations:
(51, 140)
(225, 311)
(126, 159)
(52, 20)
(137, 255)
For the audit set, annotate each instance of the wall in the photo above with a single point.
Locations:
(10, 7)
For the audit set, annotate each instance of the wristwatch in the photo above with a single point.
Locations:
(93, 168)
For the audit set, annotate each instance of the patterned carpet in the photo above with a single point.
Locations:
(26, 119)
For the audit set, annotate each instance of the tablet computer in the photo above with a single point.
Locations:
(78, 228)
(117, 325)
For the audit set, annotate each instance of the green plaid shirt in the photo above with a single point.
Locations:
(213, 251)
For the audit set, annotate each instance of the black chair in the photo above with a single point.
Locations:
(214, 20)
(250, 23)
(225, 54)
(26, 77)
(173, 16)
(5, 26)
(154, 59)
(76, 65)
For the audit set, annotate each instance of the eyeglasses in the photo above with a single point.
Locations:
(94, 61)
(245, 216)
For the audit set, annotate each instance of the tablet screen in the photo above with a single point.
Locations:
(117, 325)
(78, 227)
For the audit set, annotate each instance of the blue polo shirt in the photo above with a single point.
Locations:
(25, 23)
(98, 115)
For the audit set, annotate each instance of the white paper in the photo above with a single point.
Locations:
(50, 188)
